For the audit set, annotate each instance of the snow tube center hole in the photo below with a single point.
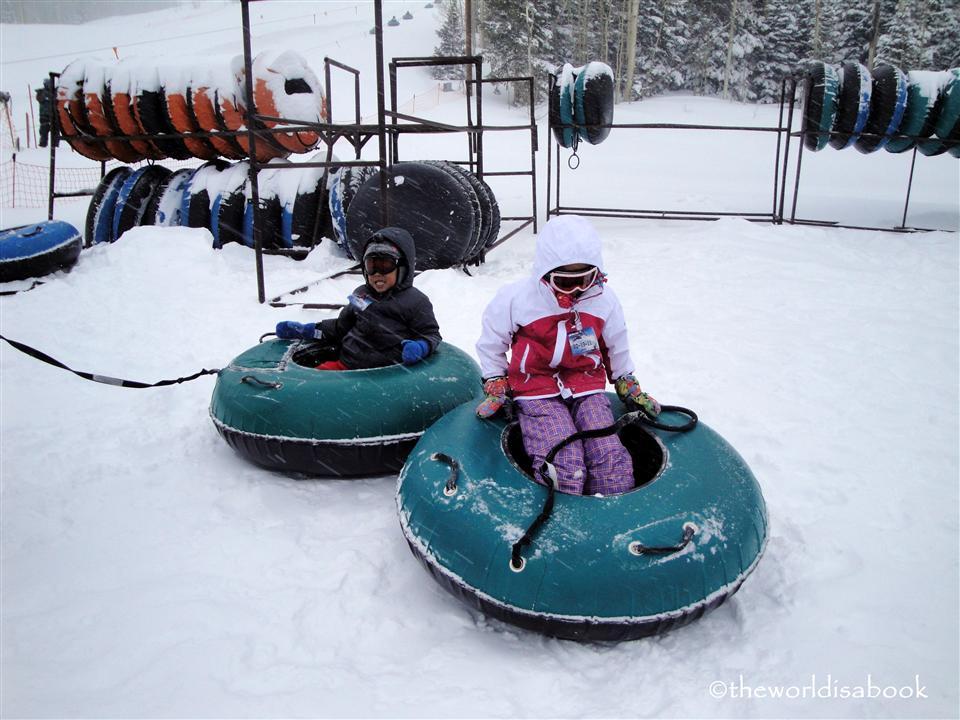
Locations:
(312, 354)
(295, 86)
(646, 450)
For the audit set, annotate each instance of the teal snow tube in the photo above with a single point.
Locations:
(275, 409)
(946, 130)
(589, 573)
(924, 90)
(820, 84)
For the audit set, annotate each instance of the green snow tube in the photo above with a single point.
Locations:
(274, 408)
(924, 93)
(600, 568)
(947, 127)
(821, 85)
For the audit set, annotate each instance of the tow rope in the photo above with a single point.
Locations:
(105, 379)
(548, 472)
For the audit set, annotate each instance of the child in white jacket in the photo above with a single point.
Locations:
(567, 337)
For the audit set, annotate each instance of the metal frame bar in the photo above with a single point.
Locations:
(660, 214)
(800, 134)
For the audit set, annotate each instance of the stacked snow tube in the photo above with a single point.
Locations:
(581, 102)
(36, 250)
(216, 196)
(102, 107)
(851, 106)
(265, 405)
(452, 215)
(465, 495)
(820, 84)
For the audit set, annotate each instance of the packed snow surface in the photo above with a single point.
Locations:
(148, 571)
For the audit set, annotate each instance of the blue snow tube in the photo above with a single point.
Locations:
(599, 568)
(888, 100)
(99, 224)
(36, 250)
(853, 104)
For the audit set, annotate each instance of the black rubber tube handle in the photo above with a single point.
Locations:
(450, 488)
(689, 530)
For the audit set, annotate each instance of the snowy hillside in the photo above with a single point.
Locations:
(148, 571)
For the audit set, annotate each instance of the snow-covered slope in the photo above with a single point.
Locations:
(148, 571)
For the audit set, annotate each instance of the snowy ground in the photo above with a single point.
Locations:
(148, 571)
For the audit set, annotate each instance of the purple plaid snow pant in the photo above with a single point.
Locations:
(585, 467)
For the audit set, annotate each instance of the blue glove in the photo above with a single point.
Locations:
(414, 351)
(290, 330)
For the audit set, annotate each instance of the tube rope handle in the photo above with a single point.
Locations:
(689, 530)
(450, 488)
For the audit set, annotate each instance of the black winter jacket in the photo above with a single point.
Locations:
(370, 329)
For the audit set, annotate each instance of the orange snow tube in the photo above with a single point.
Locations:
(178, 111)
(284, 86)
(201, 100)
(96, 100)
(71, 113)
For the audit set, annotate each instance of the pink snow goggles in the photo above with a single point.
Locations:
(571, 282)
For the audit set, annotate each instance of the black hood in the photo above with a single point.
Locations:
(408, 250)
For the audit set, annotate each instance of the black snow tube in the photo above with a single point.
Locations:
(150, 109)
(888, 99)
(99, 224)
(820, 84)
(425, 201)
(853, 104)
(309, 209)
(134, 196)
(227, 217)
(37, 250)
(268, 223)
(593, 101)
(470, 193)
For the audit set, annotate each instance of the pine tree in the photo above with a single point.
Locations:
(663, 37)
(452, 42)
(516, 40)
(784, 46)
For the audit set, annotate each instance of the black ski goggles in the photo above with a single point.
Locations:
(380, 264)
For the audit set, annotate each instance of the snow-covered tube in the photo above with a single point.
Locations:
(36, 250)
(277, 411)
(121, 89)
(166, 202)
(593, 571)
(924, 88)
(285, 86)
(820, 86)
(593, 101)
(561, 106)
(71, 113)
(99, 224)
(149, 107)
(888, 100)
(947, 127)
(853, 104)
(99, 113)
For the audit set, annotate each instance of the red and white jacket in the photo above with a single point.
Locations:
(550, 348)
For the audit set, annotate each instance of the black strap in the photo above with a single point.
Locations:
(36, 284)
(516, 561)
(105, 379)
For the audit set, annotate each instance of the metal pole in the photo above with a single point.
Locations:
(381, 117)
(786, 150)
(251, 138)
(478, 61)
(776, 159)
(906, 204)
(550, 83)
(533, 156)
(394, 138)
(796, 183)
(54, 141)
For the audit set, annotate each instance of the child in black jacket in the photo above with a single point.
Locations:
(387, 320)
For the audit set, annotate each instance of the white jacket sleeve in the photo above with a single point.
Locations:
(615, 338)
(496, 334)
